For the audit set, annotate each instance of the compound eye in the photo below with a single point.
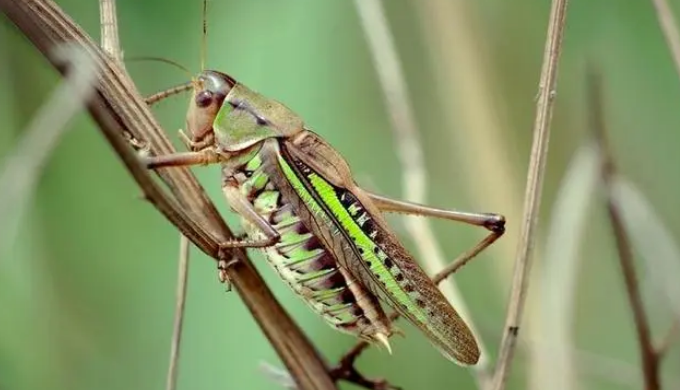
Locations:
(204, 99)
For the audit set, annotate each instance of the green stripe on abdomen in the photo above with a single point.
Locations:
(355, 227)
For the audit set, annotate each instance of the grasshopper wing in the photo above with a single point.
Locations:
(381, 262)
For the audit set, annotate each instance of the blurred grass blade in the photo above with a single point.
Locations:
(593, 365)
(410, 153)
(552, 359)
(670, 30)
(278, 375)
(651, 238)
(21, 169)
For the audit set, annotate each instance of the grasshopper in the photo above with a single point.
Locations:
(324, 235)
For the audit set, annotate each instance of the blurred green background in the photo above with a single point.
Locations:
(87, 288)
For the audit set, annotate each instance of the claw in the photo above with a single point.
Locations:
(222, 275)
(382, 338)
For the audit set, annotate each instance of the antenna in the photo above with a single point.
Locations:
(157, 97)
(164, 60)
(204, 44)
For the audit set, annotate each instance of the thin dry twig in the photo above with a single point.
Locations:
(553, 362)
(409, 150)
(180, 303)
(346, 370)
(532, 200)
(649, 357)
(120, 111)
(21, 170)
(670, 30)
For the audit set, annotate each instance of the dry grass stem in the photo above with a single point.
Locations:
(110, 44)
(648, 355)
(109, 30)
(537, 164)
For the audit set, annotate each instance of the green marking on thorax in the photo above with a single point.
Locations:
(246, 117)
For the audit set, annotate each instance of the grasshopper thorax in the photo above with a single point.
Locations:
(234, 117)
(210, 90)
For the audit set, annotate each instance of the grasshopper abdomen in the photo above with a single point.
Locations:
(305, 264)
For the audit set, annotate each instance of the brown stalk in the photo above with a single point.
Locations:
(648, 355)
(120, 112)
(110, 44)
(109, 30)
(532, 200)
(346, 368)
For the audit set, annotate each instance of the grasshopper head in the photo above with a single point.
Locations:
(210, 90)
(235, 117)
